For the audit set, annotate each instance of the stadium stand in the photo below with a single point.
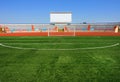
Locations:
(30, 28)
(119, 29)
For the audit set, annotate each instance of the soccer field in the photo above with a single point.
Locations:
(59, 59)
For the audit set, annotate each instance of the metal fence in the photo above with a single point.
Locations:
(58, 28)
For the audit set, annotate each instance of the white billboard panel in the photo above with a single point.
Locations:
(61, 17)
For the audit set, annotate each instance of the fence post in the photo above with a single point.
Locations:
(48, 32)
(74, 30)
(89, 27)
(116, 29)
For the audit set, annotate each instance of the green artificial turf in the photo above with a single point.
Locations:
(96, 65)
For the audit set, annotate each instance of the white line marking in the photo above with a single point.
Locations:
(54, 39)
(54, 43)
(88, 48)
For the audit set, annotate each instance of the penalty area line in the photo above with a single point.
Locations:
(87, 48)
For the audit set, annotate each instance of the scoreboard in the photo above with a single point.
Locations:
(60, 17)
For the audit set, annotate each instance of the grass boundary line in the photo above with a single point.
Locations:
(55, 43)
(87, 48)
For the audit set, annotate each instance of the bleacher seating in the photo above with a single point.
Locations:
(59, 28)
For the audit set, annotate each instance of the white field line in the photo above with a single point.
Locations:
(53, 43)
(58, 39)
(87, 48)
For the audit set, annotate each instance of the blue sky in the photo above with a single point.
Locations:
(37, 11)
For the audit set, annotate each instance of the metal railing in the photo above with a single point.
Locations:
(58, 28)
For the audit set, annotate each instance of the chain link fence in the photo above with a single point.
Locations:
(57, 28)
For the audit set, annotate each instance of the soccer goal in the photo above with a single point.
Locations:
(61, 30)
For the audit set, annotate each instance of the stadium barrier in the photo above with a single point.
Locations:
(58, 30)
(119, 29)
(116, 29)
